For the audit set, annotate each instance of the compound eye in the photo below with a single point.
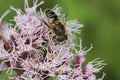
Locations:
(60, 39)
(65, 37)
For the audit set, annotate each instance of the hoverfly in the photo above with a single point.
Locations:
(56, 25)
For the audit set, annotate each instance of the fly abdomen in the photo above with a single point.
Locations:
(52, 17)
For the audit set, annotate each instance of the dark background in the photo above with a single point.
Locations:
(101, 19)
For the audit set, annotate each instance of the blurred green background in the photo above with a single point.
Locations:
(101, 19)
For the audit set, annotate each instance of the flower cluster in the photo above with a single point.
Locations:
(28, 51)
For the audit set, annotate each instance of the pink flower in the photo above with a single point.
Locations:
(29, 50)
